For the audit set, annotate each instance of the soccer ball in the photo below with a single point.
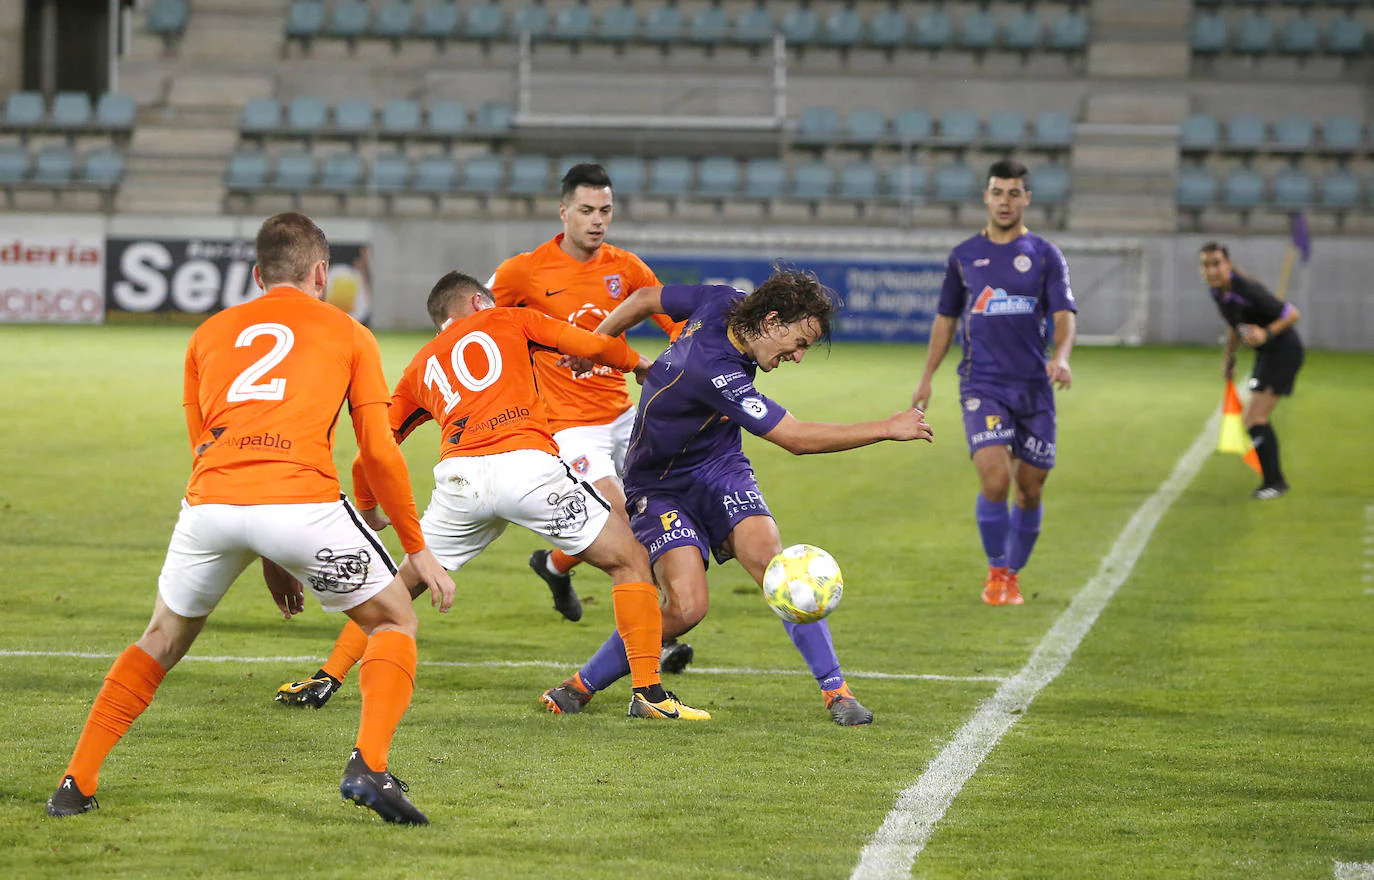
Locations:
(802, 584)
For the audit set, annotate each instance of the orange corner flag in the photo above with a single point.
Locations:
(1233, 438)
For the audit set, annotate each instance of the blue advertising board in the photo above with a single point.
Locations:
(882, 301)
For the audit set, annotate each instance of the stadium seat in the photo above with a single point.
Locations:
(493, 118)
(529, 175)
(978, 31)
(1197, 187)
(813, 181)
(1293, 133)
(305, 19)
(1200, 132)
(672, 177)
(819, 127)
(393, 20)
(1021, 33)
(54, 166)
(663, 26)
(566, 162)
(1292, 189)
(305, 116)
(168, 17)
(435, 174)
(1208, 34)
(801, 26)
(958, 127)
(1006, 129)
(865, 126)
(887, 29)
(246, 170)
(934, 30)
(1345, 36)
(710, 26)
(843, 28)
(341, 172)
(353, 116)
(573, 24)
(295, 171)
(1245, 132)
(1244, 188)
(350, 19)
(627, 175)
(754, 27)
(24, 109)
(1299, 35)
(115, 112)
(1341, 134)
(532, 18)
(619, 24)
(718, 177)
(1255, 34)
(907, 183)
(911, 127)
(1050, 185)
(483, 175)
(390, 172)
(260, 116)
(439, 20)
(764, 178)
(1053, 129)
(71, 110)
(14, 164)
(103, 168)
(400, 118)
(1069, 32)
(446, 119)
(1340, 189)
(954, 183)
(859, 182)
(484, 21)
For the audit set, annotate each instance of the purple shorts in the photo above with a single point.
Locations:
(1019, 416)
(700, 512)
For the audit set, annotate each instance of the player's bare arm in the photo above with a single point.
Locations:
(636, 307)
(286, 591)
(941, 335)
(807, 438)
(1065, 332)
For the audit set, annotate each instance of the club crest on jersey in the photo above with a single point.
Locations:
(614, 286)
(972, 404)
(1022, 263)
(998, 302)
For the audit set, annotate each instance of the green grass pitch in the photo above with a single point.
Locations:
(1215, 722)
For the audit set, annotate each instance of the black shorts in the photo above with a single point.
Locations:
(1275, 371)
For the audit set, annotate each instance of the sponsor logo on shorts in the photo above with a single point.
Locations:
(1022, 263)
(581, 465)
(340, 572)
(570, 512)
(996, 301)
(1003, 434)
(736, 501)
(972, 404)
(670, 520)
(754, 406)
(1034, 447)
(679, 534)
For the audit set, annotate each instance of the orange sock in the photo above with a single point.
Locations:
(348, 650)
(387, 680)
(640, 624)
(127, 691)
(562, 562)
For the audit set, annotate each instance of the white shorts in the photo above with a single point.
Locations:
(597, 451)
(325, 546)
(475, 497)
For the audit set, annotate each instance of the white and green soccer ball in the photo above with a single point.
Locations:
(803, 584)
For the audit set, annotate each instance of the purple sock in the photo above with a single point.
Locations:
(813, 640)
(1025, 528)
(607, 665)
(992, 525)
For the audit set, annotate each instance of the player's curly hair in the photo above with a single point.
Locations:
(448, 289)
(288, 246)
(794, 294)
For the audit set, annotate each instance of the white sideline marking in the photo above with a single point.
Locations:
(516, 664)
(1354, 871)
(893, 849)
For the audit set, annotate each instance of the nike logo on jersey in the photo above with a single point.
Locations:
(554, 292)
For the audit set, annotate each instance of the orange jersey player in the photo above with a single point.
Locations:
(264, 384)
(498, 464)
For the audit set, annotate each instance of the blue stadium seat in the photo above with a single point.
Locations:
(168, 17)
(958, 127)
(1006, 129)
(350, 19)
(305, 19)
(754, 27)
(493, 118)
(911, 126)
(483, 175)
(54, 166)
(1050, 185)
(484, 21)
(261, 116)
(1021, 33)
(446, 119)
(1245, 132)
(1255, 34)
(1053, 129)
(573, 24)
(1293, 133)
(866, 126)
(978, 31)
(115, 111)
(1244, 188)
(813, 181)
(710, 26)
(887, 29)
(843, 28)
(1345, 36)
(529, 175)
(341, 172)
(103, 168)
(1208, 34)
(532, 18)
(353, 116)
(390, 172)
(627, 175)
(71, 110)
(393, 20)
(1200, 132)
(306, 116)
(1197, 188)
(801, 26)
(934, 30)
(24, 109)
(619, 24)
(672, 177)
(1341, 134)
(1292, 189)
(14, 164)
(819, 126)
(246, 170)
(439, 20)
(1340, 189)
(295, 171)
(435, 174)
(907, 183)
(1299, 35)
(400, 118)
(859, 182)
(718, 177)
(954, 182)
(764, 178)
(1069, 32)
(663, 26)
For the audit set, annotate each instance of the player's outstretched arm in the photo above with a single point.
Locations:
(636, 307)
(1065, 332)
(941, 335)
(806, 438)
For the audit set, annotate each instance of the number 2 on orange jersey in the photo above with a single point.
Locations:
(243, 387)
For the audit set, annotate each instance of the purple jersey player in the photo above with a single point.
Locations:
(691, 491)
(1003, 282)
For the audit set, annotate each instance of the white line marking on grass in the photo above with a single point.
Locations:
(517, 664)
(893, 849)
(1354, 871)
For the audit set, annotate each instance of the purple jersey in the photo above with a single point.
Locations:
(697, 395)
(1004, 293)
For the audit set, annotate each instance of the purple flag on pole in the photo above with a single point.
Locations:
(1302, 237)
